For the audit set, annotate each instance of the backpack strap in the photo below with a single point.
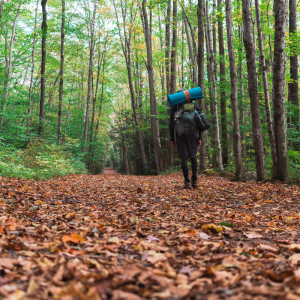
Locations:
(187, 96)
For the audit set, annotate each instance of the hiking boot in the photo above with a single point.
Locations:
(194, 184)
(187, 185)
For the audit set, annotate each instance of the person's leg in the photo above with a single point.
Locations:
(194, 171)
(185, 169)
(194, 168)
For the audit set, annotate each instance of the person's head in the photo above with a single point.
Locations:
(181, 90)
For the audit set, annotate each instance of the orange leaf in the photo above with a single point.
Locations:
(74, 238)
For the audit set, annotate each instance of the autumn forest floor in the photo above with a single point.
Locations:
(128, 237)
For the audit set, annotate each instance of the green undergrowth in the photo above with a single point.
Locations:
(38, 161)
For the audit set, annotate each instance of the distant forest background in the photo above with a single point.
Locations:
(84, 84)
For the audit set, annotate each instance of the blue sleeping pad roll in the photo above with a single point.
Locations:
(179, 98)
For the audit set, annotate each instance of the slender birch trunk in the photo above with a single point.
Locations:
(212, 65)
(159, 157)
(32, 67)
(167, 45)
(9, 70)
(43, 70)
(126, 47)
(293, 85)
(237, 148)
(61, 74)
(90, 77)
(200, 60)
(174, 50)
(266, 89)
(253, 91)
(224, 133)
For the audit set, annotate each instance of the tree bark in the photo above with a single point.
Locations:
(159, 157)
(224, 133)
(253, 91)
(167, 45)
(90, 77)
(266, 89)
(9, 70)
(126, 47)
(237, 149)
(279, 68)
(43, 70)
(61, 74)
(174, 50)
(1, 9)
(293, 85)
(212, 65)
(32, 67)
(191, 52)
(200, 60)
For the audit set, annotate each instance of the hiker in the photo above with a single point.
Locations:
(187, 145)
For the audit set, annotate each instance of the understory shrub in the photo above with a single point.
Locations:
(39, 161)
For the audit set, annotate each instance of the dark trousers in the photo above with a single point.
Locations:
(185, 169)
(187, 145)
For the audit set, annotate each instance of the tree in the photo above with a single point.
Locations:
(90, 76)
(266, 88)
(233, 97)
(224, 133)
(159, 157)
(253, 91)
(61, 74)
(174, 50)
(10, 61)
(200, 61)
(279, 68)
(212, 69)
(293, 85)
(43, 70)
(126, 37)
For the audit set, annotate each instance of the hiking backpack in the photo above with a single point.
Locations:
(188, 120)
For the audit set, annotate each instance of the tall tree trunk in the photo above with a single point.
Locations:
(170, 156)
(270, 38)
(224, 133)
(90, 77)
(212, 65)
(94, 96)
(174, 50)
(200, 60)
(32, 67)
(191, 52)
(167, 45)
(162, 69)
(1, 9)
(253, 91)
(159, 157)
(126, 47)
(266, 89)
(279, 68)
(237, 145)
(61, 73)
(43, 70)
(293, 85)
(9, 70)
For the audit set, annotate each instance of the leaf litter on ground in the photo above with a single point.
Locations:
(135, 237)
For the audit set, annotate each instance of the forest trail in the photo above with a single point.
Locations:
(109, 171)
(135, 237)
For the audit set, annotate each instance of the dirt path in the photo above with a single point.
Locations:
(109, 171)
(128, 237)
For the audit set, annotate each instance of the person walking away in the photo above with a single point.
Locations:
(187, 145)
